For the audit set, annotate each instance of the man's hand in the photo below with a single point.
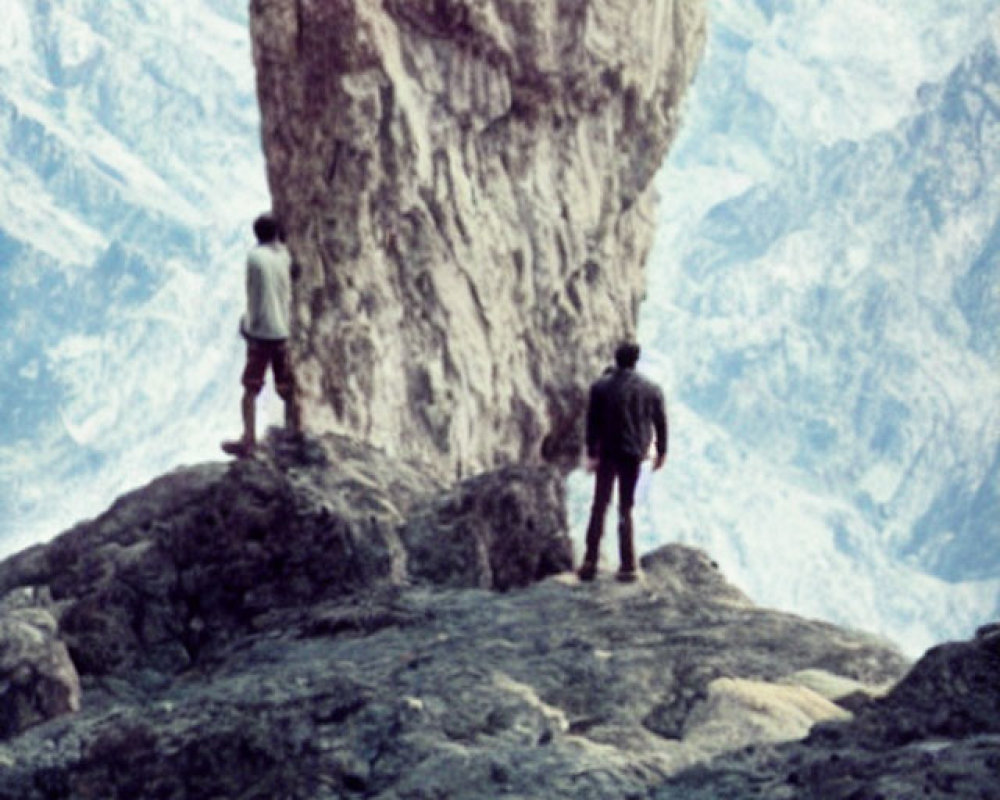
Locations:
(659, 461)
(591, 464)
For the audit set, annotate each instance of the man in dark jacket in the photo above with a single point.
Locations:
(624, 412)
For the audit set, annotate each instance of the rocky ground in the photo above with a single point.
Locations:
(937, 734)
(324, 622)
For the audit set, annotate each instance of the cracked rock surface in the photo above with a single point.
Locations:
(467, 186)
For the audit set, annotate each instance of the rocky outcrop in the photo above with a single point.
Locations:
(37, 678)
(325, 621)
(499, 530)
(283, 627)
(467, 187)
(936, 734)
(173, 572)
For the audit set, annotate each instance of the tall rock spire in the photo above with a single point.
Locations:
(467, 187)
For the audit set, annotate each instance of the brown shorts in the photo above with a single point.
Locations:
(264, 353)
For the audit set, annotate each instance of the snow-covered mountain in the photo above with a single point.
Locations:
(823, 296)
(130, 167)
(824, 307)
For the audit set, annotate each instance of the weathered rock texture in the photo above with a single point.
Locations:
(467, 186)
(281, 628)
(937, 734)
(175, 571)
(290, 626)
(37, 678)
(498, 530)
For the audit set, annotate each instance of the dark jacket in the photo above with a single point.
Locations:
(624, 411)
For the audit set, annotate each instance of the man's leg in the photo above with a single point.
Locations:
(293, 417)
(603, 485)
(249, 408)
(284, 384)
(244, 446)
(628, 477)
(253, 382)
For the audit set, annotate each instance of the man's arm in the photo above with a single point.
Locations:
(661, 426)
(255, 290)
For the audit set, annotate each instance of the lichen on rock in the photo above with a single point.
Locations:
(467, 187)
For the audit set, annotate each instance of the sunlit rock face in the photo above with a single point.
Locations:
(466, 185)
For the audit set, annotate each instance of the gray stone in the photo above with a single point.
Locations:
(318, 622)
(396, 691)
(292, 626)
(935, 734)
(173, 571)
(37, 678)
(499, 530)
(182, 565)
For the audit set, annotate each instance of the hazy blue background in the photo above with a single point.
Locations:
(824, 305)
(823, 294)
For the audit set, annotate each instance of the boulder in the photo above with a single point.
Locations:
(500, 530)
(185, 563)
(173, 571)
(37, 678)
(935, 733)
(952, 692)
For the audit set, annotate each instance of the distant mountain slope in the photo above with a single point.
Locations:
(823, 310)
(831, 456)
(129, 167)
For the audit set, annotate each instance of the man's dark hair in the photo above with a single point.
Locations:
(266, 228)
(627, 354)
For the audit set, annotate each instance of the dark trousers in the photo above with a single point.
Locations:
(624, 470)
